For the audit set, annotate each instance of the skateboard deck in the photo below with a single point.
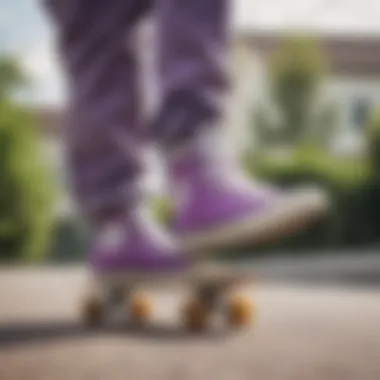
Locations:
(212, 289)
(205, 273)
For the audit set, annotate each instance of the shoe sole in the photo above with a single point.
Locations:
(296, 213)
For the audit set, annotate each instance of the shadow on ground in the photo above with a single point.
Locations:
(35, 332)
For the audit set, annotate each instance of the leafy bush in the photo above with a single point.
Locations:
(352, 220)
(374, 146)
(26, 194)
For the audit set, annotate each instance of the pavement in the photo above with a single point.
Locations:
(302, 331)
(353, 269)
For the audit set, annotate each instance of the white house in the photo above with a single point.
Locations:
(354, 81)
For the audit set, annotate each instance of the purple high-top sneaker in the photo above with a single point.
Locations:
(135, 246)
(215, 208)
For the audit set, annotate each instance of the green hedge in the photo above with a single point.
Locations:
(353, 218)
(27, 193)
(310, 164)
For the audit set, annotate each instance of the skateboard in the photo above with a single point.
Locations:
(213, 290)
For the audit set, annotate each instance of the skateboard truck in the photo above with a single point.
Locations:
(211, 294)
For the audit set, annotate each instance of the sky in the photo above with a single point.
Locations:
(26, 32)
(332, 16)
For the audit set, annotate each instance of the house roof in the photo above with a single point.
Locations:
(349, 29)
(347, 53)
(318, 16)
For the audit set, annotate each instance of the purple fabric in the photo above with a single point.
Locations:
(140, 251)
(192, 40)
(97, 46)
(211, 205)
(103, 120)
(206, 197)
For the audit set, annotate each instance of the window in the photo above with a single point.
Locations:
(360, 112)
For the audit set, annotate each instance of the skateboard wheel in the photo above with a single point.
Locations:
(93, 311)
(195, 315)
(140, 308)
(240, 311)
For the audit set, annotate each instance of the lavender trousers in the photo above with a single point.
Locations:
(105, 125)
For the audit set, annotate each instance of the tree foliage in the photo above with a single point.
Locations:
(295, 113)
(26, 194)
(374, 146)
(11, 77)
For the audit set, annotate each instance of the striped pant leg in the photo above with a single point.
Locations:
(192, 67)
(98, 54)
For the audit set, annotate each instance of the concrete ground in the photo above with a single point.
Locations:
(302, 332)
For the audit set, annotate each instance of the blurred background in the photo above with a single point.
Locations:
(306, 78)
(304, 110)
